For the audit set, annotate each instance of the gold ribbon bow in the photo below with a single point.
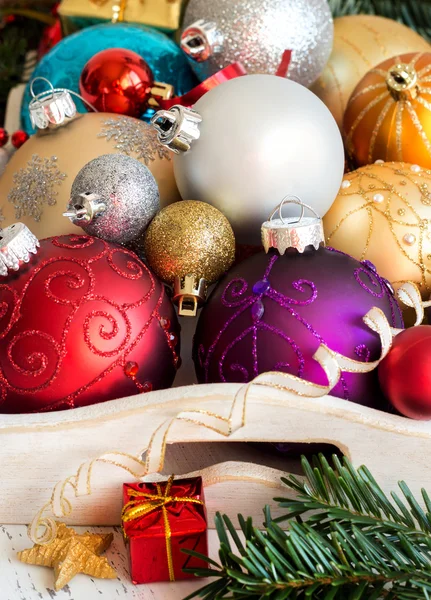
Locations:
(135, 509)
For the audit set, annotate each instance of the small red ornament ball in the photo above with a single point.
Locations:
(4, 137)
(19, 138)
(117, 81)
(83, 322)
(405, 373)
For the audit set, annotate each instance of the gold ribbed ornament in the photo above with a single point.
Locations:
(389, 113)
(360, 43)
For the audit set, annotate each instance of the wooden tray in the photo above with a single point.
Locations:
(37, 451)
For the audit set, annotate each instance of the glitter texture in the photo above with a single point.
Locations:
(89, 308)
(128, 189)
(35, 186)
(312, 298)
(257, 32)
(132, 136)
(190, 238)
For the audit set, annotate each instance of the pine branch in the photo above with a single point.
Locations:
(304, 563)
(358, 544)
(347, 495)
(413, 13)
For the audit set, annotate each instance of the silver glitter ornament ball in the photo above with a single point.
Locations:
(256, 33)
(114, 197)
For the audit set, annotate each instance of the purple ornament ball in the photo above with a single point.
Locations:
(271, 313)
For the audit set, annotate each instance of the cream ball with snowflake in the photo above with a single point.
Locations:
(36, 185)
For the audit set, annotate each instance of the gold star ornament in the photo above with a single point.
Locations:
(71, 553)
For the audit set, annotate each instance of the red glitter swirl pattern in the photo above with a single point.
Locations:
(73, 318)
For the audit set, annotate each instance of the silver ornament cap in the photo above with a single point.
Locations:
(283, 233)
(50, 108)
(17, 243)
(83, 208)
(201, 40)
(177, 128)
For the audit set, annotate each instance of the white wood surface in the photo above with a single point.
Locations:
(26, 582)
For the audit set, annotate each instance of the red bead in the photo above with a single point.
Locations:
(147, 387)
(117, 81)
(165, 323)
(405, 373)
(177, 361)
(131, 369)
(4, 137)
(19, 138)
(173, 339)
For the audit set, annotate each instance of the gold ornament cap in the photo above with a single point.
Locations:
(189, 294)
(17, 243)
(177, 128)
(402, 82)
(50, 108)
(201, 40)
(84, 208)
(292, 232)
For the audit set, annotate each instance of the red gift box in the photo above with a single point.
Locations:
(159, 521)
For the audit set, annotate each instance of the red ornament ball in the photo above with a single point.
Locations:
(117, 81)
(4, 137)
(19, 138)
(83, 322)
(405, 373)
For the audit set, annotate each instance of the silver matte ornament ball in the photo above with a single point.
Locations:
(256, 33)
(114, 197)
(243, 154)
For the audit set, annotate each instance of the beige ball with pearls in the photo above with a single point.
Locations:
(383, 214)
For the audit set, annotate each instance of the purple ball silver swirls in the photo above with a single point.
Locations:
(271, 313)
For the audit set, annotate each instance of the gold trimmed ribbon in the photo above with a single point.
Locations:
(42, 530)
(135, 509)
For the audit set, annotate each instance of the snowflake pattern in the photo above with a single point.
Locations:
(133, 136)
(35, 186)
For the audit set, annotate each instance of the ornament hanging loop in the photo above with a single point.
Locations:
(292, 232)
(52, 107)
(292, 199)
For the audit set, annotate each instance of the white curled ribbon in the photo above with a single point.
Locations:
(42, 529)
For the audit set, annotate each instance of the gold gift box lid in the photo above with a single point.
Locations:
(165, 14)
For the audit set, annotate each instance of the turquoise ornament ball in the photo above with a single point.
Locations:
(62, 66)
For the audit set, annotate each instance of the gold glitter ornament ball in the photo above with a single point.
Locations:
(360, 43)
(35, 187)
(383, 214)
(189, 238)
